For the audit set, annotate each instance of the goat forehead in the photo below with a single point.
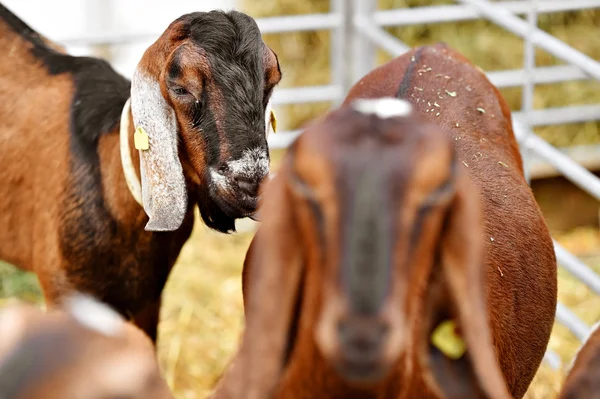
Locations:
(227, 36)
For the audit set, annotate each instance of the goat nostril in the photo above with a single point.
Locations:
(248, 186)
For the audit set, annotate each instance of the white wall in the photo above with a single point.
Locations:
(67, 20)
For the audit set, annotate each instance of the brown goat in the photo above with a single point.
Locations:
(366, 215)
(583, 380)
(82, 351)
(198, 98)
(333, 204)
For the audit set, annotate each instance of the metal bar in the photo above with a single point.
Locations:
(567, 153)
(570, 169)
(552, 359)
(378, 36)
(585, 155)
(528, 85)
(542, 117)
(508, 78)
(577, 268)
(541, 75)
(296, 23)
(529, 60)
(306, 94)
(106, 38)
(364, 49)
(554, 46)
(560, 115)
(570, 320)
(456, 13)
(340, 52)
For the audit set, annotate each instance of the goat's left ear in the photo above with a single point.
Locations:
(459, 356)
(164, 194)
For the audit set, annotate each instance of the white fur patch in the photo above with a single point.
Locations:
(386, 107)
(254, 163)
(164, 193)
(95, 315)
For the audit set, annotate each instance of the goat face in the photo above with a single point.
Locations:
(206, 84)
(370, 187)
(388, 228)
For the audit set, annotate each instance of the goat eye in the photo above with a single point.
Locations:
(180, 91)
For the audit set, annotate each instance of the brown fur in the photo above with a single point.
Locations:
(513, 289)
(72, 360)
(583, 380)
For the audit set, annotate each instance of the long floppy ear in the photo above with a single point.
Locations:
(273, 269)
(164, 194)
(459, 356)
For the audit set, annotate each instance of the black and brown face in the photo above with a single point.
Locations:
(205, 84)
(372, 193)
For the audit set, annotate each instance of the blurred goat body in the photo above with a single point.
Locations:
(67, 212)
(583, 379)
(379, 229)
(83, 350)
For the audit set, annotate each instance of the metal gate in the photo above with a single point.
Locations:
(357, 31)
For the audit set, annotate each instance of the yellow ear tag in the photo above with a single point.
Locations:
(140, 139)
(273, 121)
(447, 341)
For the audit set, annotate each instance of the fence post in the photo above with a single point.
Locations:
(341, 48)
(528, 84)
(364, 51)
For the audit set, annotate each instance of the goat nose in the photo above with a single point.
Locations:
(362, 340)
(248, 186)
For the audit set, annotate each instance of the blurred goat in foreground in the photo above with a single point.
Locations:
(583, 380)
(83, 350)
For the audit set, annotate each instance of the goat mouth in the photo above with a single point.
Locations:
(233, 202)
(361, 372)
(236, 207)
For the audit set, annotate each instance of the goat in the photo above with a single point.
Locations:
(303, 322)
(82, 350)
(583, 380)
(375, 213)
(198, 112)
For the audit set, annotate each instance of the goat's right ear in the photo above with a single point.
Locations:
(273, 269)
(459, 356)
(164, 193)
